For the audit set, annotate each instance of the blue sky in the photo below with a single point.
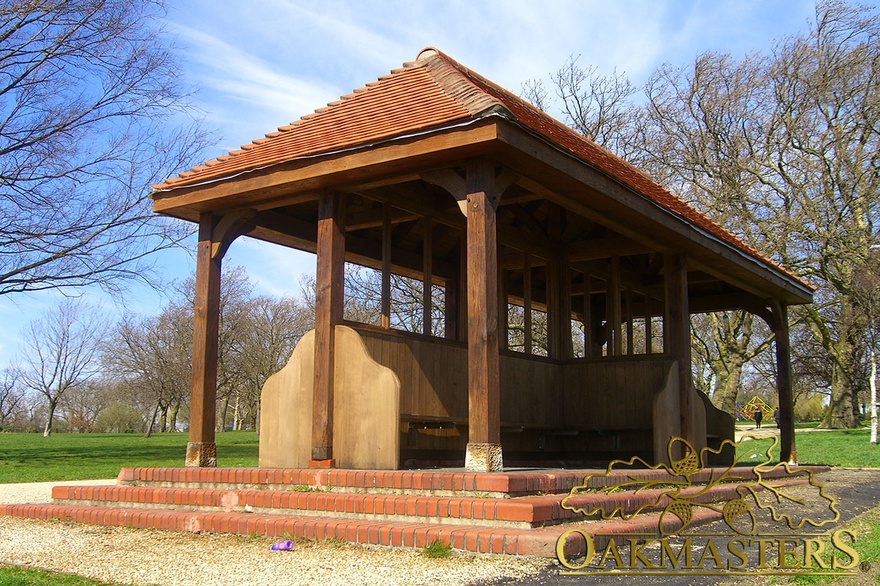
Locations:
(262, 64)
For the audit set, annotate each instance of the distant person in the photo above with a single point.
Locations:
(759, 415)
(776, 417)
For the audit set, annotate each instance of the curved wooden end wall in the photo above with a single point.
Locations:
(366, 407)
(667, 422)
(286, 410)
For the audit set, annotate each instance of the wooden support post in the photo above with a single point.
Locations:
(615, 317)
(527, 304)
(503, 331)
(649, 325)
(201, 449)
(677, 334)
(427, 281)
(329, 296)
(558, 309)
(788, 453)
(484, 399)
(386, 265)
(588, 315)
(451, 309)
(462, 328)
(629, 322)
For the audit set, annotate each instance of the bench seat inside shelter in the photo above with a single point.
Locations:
(410, 406)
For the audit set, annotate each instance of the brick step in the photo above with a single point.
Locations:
(473, 538)
(524, 512)
(445, 482)
(512, 483)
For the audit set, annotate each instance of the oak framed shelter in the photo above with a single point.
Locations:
(435, 174)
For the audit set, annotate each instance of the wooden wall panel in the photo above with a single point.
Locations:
(432, 372)
(366, 408)
(616, 393)
(609, 402)
(531, 389)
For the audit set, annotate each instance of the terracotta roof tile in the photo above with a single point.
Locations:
(432, 92)
(365, 116)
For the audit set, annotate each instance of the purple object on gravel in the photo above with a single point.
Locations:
(282, 546)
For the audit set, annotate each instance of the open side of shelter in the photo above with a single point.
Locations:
(488, 209)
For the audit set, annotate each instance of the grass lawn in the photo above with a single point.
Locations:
(18, 576)
(62, 456)
(30, 457)
(849, 448)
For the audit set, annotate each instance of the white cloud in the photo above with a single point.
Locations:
(274, 270)
(243, 91)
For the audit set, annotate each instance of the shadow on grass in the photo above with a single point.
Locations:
(33, 458)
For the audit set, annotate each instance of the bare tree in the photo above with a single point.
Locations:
(785, 150)
(261, 348)
(60, 352)
(780, 147)
(92, 111)
(152, 357)
(79, 407)
(11, 397)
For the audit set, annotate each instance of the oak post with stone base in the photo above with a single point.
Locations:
(484, 388)
(216, 233)
(201, 449)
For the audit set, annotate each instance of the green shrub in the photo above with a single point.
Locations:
(119, 418)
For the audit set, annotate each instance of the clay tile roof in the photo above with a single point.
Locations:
(406, 101)
(432, 92)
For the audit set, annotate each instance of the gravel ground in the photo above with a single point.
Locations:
(132, 556)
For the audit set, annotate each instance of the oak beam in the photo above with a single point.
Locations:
(427, 280)
(677, 335)
(503, 329)
(788, 452)
(588, 315)
(376, 218)
(329, 280)
(484, 392)
(527, 303)
(201, 449)
(386, 266)
(559, 310)
(615, 309)
(629, 321)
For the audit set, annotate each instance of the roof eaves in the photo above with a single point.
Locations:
(509, 103)
(744, 250)
(165, 187)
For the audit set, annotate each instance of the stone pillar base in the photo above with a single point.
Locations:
(483, 458)
(201, 455)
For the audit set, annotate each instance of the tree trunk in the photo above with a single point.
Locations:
(152, 421)
(47, 431)
(843, 408)
(873, 395)
(727, 384)
(236, 412)
(221, 421)
(173, 411)
(163, 419)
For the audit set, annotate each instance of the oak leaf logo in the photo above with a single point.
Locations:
(689, 484)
